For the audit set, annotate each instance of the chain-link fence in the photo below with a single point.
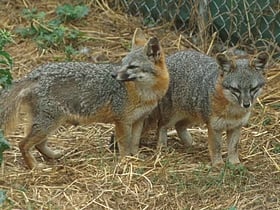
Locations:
(245, 22)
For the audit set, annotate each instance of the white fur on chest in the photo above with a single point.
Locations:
(231, 118)
(144, 108)
(141, 111)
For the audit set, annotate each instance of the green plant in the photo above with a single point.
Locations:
(4, 145)
(53, 33)
(69, 51)
(149, 22)
(6, 61)
(267, 121)
(276, 106)
(2, 196)
(6, 64)
(31, 14)
(276, 148)
(68, 12)
(230, 175)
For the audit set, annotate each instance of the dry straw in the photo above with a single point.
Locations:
(90, 176)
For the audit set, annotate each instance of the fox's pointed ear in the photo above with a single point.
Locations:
(224, 62)
(138, 39)
(153, 49)
(259, 62)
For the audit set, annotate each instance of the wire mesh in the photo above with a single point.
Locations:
(245, 22)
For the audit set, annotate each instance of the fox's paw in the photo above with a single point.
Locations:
(189, 144)
(234, 160)
(161, 145)
(57, 154)
(53, 155)
(218, 163)
(38, 167)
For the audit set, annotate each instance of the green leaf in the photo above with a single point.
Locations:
(69, 12)
(74, 34)
(276, 148)
(5, 38)
(6, 64)
(8, 60)
(26, 32)
(81, 11)
(31, 14)
(3, 196)
(267, 121)
(5, 78)
(69, 51)
(4, 145)
(52, 33)
(54, 23)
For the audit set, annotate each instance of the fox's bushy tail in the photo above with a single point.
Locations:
(11, 102)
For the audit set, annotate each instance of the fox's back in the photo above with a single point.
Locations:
(219, 92)
(76, 87)
(193, 76)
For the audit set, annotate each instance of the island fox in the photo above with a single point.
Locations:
(82, 92)
(218, 93)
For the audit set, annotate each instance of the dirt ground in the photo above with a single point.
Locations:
(89, 175)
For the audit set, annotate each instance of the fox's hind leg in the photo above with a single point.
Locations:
(33, 135)
(38, 138)
(27, 144)
(42, 147)
(37, 129)
(183, 133)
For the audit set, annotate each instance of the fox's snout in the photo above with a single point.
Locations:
(246, 104)
(123, 75)
(114, 74)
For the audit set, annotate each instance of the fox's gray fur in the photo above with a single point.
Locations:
(84, 92)
(219, 93)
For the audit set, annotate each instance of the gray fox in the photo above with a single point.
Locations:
(218, 93)
(82, 92)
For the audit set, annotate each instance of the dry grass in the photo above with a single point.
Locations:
(89, 176)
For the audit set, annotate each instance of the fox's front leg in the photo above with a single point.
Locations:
(137, 128)
(214, 145)
(233, 137)
(123, 137)
(161, 137)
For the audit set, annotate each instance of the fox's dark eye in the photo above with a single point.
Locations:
(254, 90)
(132, 66)
(234, 89)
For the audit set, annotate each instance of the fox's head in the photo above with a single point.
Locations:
(242, 79)
(144, 62)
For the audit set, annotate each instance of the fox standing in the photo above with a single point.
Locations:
(57, 92)
(218, 93)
